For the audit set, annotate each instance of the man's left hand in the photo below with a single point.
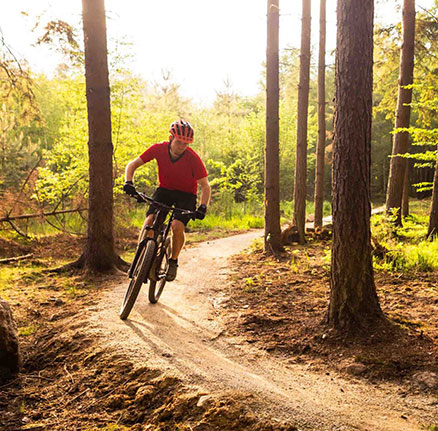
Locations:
(201, 211)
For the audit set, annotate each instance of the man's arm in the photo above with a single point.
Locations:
(205, 191)
(131, 167)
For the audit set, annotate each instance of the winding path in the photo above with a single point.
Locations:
(183, 334)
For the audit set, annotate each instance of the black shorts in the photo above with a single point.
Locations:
(180, 199)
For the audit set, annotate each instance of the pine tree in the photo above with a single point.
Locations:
(303, 103)
(398, 164)
(272, 158)
(320, 147)
(99, 254)
(354, 305)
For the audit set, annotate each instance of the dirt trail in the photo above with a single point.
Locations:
(184, 335)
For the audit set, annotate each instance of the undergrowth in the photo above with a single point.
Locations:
(239, 217)
(287, 207)
(406, 247)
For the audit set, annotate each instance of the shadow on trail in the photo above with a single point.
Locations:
(218, 365)
(188, 344)
(197, 352)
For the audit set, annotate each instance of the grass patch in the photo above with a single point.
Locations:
(30, 281)
(238, 218)
(8, 275)
(409, 251)
(235, 222)
(11, 275)
(37, 228)
(287, 207)
(26, 331)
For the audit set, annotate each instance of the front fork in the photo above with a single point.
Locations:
(140, 247)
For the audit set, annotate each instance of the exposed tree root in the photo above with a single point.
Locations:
(80, 265)
(15, 259)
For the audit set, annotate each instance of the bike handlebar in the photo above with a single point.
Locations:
(141, 197)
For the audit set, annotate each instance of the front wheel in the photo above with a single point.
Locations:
(156, 284)
(139, 276)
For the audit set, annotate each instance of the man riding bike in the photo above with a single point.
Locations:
(180, 170)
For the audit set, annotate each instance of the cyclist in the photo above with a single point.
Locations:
(180, 170)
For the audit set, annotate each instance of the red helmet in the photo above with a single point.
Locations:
(181, 130)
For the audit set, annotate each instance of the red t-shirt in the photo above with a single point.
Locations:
(181, 174)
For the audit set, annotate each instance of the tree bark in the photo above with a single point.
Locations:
(401, 139)
(432, 231)
(272, 158)
(99, 254)
(406, 188)
(303, 103)
(354, 305)
(320, 147)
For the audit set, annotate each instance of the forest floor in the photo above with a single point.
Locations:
(237, 342)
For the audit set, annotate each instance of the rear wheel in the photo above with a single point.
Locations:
(156, 286)
(139, 276)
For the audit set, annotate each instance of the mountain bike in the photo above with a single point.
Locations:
(152, 256)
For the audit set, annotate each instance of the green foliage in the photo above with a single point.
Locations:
(235, 222)
(240, 216)
(66, 162)
(421, 257)
(19, 123)
(239, 182)
(46, 118)
(424, 101)
(408, 249)
(286, 208)
(426, 138)
(229, 135)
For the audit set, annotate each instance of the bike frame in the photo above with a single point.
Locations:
(147, 264)
(158, 227)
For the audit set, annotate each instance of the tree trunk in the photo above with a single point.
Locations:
(320, 147)
(272, 158)
(401, 139)
(432, 231)
(406, 188)
(303, 103)
(99, 253)
(354, 305)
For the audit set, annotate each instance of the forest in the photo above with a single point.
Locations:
(312, 277)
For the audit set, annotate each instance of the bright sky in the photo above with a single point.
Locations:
(201, 42)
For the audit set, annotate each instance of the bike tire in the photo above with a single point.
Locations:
(156, 287)
(139, 277)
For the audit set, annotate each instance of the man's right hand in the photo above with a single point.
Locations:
(129, 188)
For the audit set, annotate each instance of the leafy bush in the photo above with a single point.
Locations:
(409, 251)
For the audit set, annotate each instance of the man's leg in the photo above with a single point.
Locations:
(186, 201)
(149, 221)
(178, 238)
